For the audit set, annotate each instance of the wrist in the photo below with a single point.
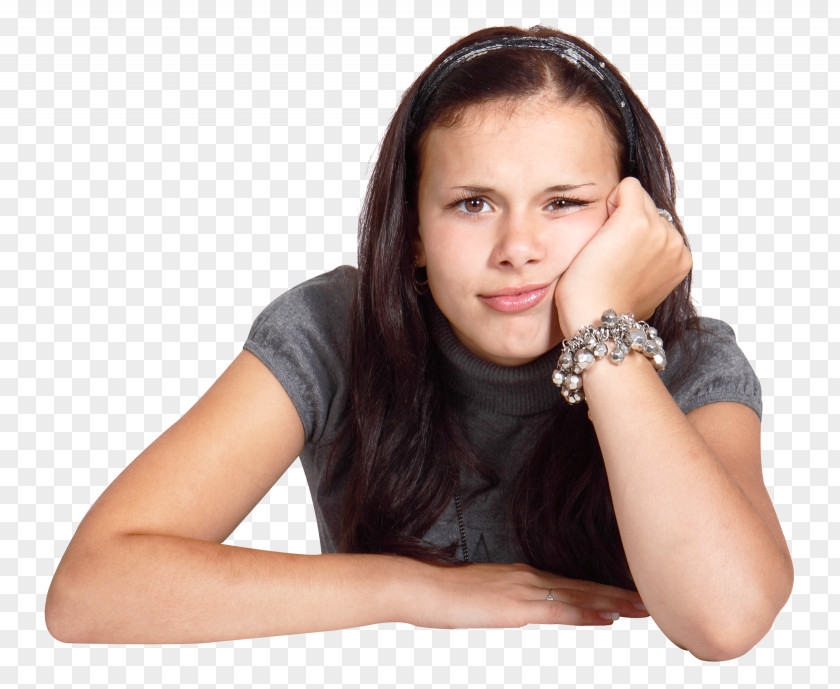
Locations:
(612, 338)
(573, 319)
(405, 580)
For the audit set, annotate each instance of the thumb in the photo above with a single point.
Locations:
(612, 201)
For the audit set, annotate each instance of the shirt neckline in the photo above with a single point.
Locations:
(476, 382)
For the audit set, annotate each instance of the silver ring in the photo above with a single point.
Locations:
(665, 214)
(549, 596)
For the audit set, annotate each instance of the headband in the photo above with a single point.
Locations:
(569, 51)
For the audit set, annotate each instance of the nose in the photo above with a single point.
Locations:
(519, 242)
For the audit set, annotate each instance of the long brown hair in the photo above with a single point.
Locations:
(400, 452)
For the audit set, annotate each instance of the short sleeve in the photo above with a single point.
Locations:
(711, 367)
(301, 337)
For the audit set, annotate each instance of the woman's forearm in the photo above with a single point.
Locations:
(149, 588)
(705, 561)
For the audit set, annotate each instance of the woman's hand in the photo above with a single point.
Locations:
(494, 595)
(632, 263)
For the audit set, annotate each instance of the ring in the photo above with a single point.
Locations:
(549, 596)
(665, 214)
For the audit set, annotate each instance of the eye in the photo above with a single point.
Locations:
(471, 204)
(563, 202)
(466, 206)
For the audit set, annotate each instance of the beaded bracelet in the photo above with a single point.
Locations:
(589, 345)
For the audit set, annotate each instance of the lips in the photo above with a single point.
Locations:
(514, 291)
(515, 299)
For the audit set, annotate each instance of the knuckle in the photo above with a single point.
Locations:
(515, 615)
(575, 596)
(586, 585)
(566, 614)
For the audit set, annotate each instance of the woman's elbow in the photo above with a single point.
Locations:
(732, 638)
(54, 616)
(63, 610)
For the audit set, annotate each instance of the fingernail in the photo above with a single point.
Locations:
(640, 606)
(609, 615)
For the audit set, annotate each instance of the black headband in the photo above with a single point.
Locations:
(566, 49)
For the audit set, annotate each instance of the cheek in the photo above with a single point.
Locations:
(452, 253)
(577, 231)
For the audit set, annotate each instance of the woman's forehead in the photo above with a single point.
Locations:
(490, 140)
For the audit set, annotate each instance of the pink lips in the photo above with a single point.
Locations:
(515, 299)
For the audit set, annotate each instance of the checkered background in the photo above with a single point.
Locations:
(167, 169)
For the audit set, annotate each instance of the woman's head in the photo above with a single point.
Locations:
(494, 90)
(505, 202)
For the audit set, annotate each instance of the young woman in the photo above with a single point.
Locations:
(467, 398)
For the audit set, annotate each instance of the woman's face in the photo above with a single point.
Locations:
(491, 220)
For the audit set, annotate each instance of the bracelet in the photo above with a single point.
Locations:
(590, 344)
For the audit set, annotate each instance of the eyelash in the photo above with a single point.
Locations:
(568, 202)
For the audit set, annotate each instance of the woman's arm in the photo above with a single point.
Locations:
(162, 589)
(702, 540)
(147, 563)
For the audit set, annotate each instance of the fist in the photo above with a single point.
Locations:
(632, 263)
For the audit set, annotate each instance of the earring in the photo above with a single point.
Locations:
(417, 284)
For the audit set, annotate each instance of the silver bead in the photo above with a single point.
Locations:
(600, 350)
(659, 360)
(617, 355)
(609, 318)
(650, 348)
(565, 361)
(583, 358)
(558, 377)
(652, 332)
(658, 341)
(573, 382)
(637, 339)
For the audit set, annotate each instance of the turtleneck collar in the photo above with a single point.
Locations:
(509, 390)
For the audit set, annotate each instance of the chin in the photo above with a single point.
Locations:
(515, 355)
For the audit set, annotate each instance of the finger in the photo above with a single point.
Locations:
(628, 192)
(554, 612)
(626, 607)
(553, 581)
(612, 201)
(546, 580)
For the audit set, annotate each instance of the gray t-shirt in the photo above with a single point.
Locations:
(302, 338)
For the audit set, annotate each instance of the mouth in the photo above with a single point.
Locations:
(515, 299)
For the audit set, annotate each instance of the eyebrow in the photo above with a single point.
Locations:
(489, 190)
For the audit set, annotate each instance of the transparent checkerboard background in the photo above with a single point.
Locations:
(167, 169)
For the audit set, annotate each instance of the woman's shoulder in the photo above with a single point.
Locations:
(302, 336)
(708, 365)
(324, 295)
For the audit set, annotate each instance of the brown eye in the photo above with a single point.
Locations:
(472, 206)
(561, 203)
